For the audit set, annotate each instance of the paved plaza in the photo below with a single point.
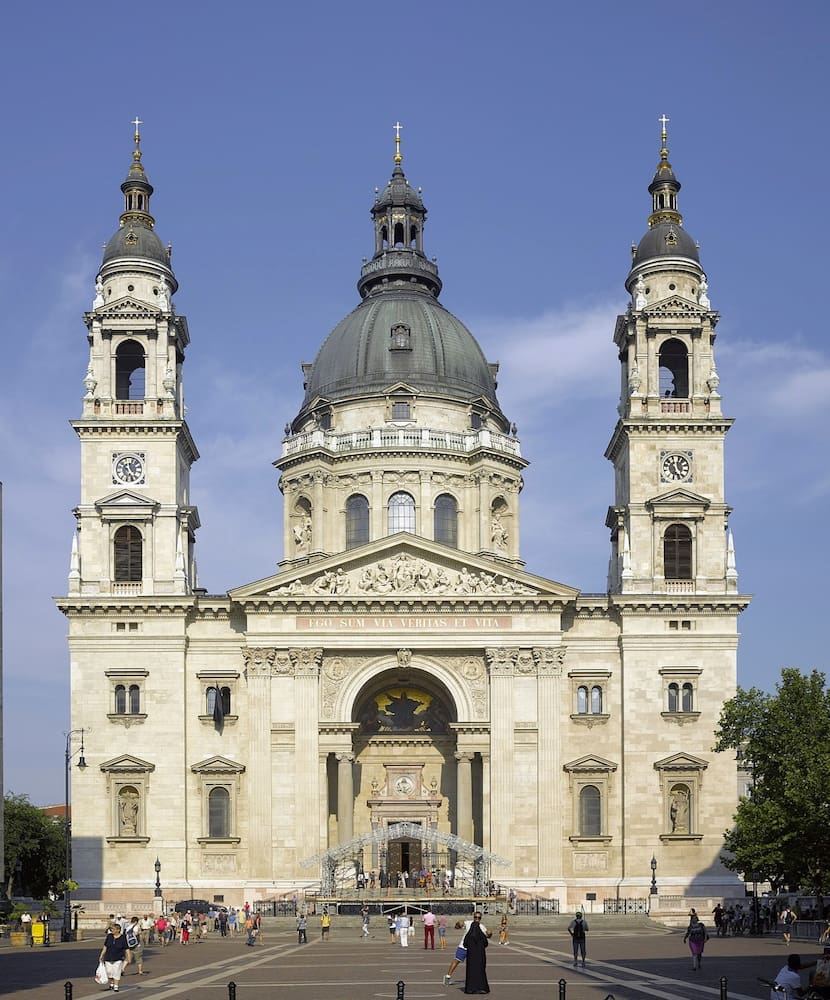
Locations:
(632, 960)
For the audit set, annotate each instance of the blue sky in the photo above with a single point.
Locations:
(532, 127)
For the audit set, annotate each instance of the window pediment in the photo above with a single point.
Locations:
(218, 765)
(126, 505)
(590, 764)
(401, 388)
(681, 762)
(677, 306)
(127, 764)
(673, 501)
(127, 308)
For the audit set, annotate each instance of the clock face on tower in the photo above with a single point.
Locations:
(128, 469)
(675, 466)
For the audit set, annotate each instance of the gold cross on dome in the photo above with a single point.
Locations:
(663, 119)
(397, 127)
(136, 122)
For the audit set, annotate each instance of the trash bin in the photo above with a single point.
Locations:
(38, 932)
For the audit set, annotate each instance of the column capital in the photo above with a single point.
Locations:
(501, 659)
(258, 660)
(549, 660)
(345, 756)
(306, 662)
(464, 755)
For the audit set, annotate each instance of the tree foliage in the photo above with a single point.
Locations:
(782, 830)
(37, 842)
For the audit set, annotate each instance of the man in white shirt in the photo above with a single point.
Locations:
(789, 979)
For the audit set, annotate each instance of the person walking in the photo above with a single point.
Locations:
(461, 951)
(325, 924)
(114, 954)
(475, 941)
(364, 921)
(697, 937)
(504, 930)
(788, 919)
(403, 929)
(302, 929)
(578, 929)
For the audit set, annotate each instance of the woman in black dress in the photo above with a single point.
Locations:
(475, 942)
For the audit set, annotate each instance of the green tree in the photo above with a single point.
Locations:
(782, 830)
(37, 842)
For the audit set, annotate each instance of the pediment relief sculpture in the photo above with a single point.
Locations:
(404, 574)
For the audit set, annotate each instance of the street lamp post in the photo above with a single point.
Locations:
(653, 890)
(157, 867)
(67, 829)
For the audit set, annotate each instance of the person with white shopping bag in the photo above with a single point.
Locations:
(113, 955)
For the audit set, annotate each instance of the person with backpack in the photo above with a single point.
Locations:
(788, 919)
(578, 929)
(697, 937)
(135, 947)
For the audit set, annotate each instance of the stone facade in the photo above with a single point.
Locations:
(401, 666)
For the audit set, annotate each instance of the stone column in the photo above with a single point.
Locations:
(464, 793)
(549, 763)
(377, 511)
(501, 663)
(258, 664)
(345, 797)
(310, 838)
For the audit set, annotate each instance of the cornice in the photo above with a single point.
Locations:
(331, 459)
(440, 605)
(104, 605)
(628, 605)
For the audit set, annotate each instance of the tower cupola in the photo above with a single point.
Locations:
(399, 215)
(136, 243)
(666, 237)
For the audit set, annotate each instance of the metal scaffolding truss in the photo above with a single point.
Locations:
(337, 862)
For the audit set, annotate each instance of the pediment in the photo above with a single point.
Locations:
(127, 308)
(678, 497)
(404, 565)
(127, 764)
(217, 765)
(681, 762)
(125, 498)
(678, 307)
(403, 387)
(591, 763)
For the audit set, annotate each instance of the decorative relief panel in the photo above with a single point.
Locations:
(549, 660)
(335, 670)
(218, 864)
(404, 574)
(594, 861)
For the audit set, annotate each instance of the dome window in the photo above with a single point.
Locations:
(446, 520)
(400, 338)
(401, 513)
(400, 410)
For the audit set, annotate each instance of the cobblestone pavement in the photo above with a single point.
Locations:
(631, 962)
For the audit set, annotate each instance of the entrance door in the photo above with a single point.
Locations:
(404, 856)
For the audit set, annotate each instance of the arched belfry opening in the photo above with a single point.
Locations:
(402, 768)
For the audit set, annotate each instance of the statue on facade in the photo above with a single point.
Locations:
(703, 293)
(128, 813)
(302, 534)
(164, 298)
(640, 300)
(679, 810)
(714, 380)
(634, 380)
(499, 535)
(99, 293)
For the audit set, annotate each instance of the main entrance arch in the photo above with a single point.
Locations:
(397, 762)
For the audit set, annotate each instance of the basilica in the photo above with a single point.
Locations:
(402, 696)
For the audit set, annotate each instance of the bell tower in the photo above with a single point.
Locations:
(669, 524)
(135, 524)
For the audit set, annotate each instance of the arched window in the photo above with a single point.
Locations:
(446, 520)
(120, 699)
(677, 552)
(134, 699)
(674, 369)
(398, 234)
(129, 370)
(590, 817)
(582, 700)
(687, 697)
(127, 552)
(596, 700)
(357, 521)
(674, 697)
(219, 813)
(401, 513)
(225, 694)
